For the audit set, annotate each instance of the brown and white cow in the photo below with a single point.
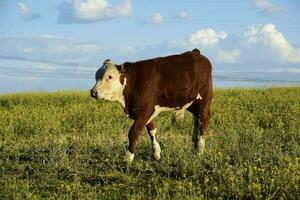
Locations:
(148, 87)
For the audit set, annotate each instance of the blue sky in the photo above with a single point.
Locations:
(58, 44)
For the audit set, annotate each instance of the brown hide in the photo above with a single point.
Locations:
(171, 81)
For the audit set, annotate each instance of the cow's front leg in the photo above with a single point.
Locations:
(134, 134)
(151, 129)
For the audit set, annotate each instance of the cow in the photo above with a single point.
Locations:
(146, 88)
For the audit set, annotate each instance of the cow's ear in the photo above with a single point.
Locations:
(118, 68)
(124, 67)
(106, 62)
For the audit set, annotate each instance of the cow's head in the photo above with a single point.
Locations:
(108, 82)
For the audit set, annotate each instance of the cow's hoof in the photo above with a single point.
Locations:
(202, 146)
(157, 157)
(128, 158)
(201, 150)
(196, 147)
(156, 150)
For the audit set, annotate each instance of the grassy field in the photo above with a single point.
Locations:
(66, 145)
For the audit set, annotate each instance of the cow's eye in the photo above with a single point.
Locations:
(110, 77)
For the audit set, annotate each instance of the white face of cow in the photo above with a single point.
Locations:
(108, 85)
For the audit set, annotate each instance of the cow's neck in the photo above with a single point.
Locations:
(120, 95)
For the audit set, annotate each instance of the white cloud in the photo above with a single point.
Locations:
(183, 15)
(210, 42)
(28, 49)
(101, 9)
(83, 11)
(294, 70)
(269, 37)
(259, 46)
(60, 45)
(231, 56)
(26, 13)
(207, 37)
(266, 7)
(156, 19)
(47, 36)
(24, 9)
(53, 48)
(43, 67)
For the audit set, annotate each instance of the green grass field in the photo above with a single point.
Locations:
(66, 145)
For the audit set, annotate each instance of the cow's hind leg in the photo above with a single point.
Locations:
(197, 137)
(204, 120)
(205, 115)
(201, 112)
(151, 129)
(196, 131)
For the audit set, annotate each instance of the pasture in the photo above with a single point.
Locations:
(66, 145)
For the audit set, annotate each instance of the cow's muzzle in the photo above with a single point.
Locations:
(94, 93)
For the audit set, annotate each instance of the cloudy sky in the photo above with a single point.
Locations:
(58, 44)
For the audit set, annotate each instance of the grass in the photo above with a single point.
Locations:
(65, 145)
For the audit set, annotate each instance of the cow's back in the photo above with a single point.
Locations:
(171, 81)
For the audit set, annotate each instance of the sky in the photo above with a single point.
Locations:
(59, 44)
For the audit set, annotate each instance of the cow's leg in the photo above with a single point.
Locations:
(134, 134)
(201, 114)
(196, 131)
(151, 129)
(205, 116)
(195, 109)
